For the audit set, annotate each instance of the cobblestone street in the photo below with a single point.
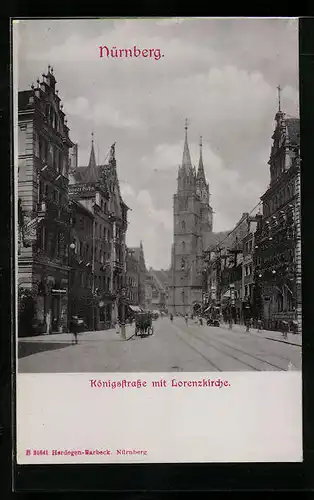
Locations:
(173, 347)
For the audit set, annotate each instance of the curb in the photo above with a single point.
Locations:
(267, 338)
(283, 341)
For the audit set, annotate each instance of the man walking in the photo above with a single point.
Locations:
(74, 328)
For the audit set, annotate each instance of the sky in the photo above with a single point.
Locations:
(220, 74)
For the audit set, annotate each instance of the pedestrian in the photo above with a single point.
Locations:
(74, 328)
(284, 329)
(259, 325)
(186, 319)
(201, 321)
(48, 322)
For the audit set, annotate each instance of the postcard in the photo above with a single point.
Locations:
(158, 240)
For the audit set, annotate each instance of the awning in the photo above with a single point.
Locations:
(135, 308)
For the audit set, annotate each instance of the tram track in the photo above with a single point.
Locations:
(210, 343)
(217, 349)
(255, 340)
(178, 329)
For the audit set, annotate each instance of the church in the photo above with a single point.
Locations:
(192, 232)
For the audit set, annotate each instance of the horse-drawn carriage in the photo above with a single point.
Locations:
(143, 324)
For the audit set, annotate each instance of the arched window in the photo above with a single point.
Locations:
(183, 225)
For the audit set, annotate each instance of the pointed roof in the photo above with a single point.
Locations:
(200, 172)
(92, 174)
(186, 159)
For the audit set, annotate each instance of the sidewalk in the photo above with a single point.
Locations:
(67, 338)
(292, 339)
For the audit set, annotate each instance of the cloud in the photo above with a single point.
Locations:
(101, 114)
(222, 74)
(148, 224)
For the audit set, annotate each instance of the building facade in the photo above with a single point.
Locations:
(81, 301)
(44, 215)
(193, 221)
(159, 284)
(96, 187)
(228, 271)
(278, 235)
(132, 278)
(144, 289)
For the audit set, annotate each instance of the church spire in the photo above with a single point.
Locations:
(279, 115)
(186, 159)
(92, 158)
(91, 173)
(200, 172)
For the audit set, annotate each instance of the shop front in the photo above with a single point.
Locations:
(105, 308)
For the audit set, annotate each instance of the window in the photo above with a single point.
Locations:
(183, 225)
(280, 302)
(183, 246)
(41, 190)
(46, 190)
(44, 239)
(60, 162)
(58, 244)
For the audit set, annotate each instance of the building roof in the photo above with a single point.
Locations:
(293, 126)
(78, 205)
(136, 251)
(214, 239)
(84, 174)
(23, 99)
(160, 277)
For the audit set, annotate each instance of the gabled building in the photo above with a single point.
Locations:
(44, 215)
(278, 235)
(132, 280)
(159, 284)
(97, 188)
(81, 301)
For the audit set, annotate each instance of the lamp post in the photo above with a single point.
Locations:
(232, 303)
(72, 248)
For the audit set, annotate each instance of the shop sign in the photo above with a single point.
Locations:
(60, 291)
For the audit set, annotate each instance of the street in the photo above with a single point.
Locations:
(174, 347)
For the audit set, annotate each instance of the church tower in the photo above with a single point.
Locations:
(206, 211)
(192, 218)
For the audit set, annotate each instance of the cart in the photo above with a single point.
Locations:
(143, 324)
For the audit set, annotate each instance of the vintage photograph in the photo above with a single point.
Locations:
(157, 172)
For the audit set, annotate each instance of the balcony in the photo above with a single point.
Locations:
(48, 209)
